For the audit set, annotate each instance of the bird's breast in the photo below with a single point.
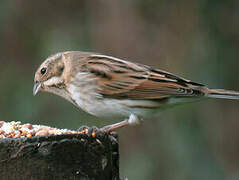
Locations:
(88, 100)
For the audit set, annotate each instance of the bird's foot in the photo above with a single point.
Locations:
(90, 131)
(132, 121)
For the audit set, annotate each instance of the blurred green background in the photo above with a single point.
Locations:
(198, 40)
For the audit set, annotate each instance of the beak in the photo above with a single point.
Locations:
(36, 88)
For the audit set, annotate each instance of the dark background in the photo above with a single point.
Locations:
(198, 40)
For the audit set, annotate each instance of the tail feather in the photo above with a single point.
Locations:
(222, 93)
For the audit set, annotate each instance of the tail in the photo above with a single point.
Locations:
(222, 93)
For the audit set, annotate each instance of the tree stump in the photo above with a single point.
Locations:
(75, 156)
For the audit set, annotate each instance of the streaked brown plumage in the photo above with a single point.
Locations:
(107, 86)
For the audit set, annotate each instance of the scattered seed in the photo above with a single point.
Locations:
(17, 130)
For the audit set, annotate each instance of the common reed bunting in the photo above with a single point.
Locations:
(106, 86)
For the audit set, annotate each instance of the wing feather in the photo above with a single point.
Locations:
(117, 78)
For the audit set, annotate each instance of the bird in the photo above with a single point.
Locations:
(109, 87)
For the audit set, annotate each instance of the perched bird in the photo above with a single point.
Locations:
(106, 86)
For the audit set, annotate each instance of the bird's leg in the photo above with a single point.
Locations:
(132, 120)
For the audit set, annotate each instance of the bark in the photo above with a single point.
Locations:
(60, 157)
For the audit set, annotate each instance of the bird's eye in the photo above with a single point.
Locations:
(43, 71)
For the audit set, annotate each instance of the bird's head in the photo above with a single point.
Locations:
(49, 76)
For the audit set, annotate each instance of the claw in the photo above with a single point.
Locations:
(90, 131)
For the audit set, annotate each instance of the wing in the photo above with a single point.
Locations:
(117, 78)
